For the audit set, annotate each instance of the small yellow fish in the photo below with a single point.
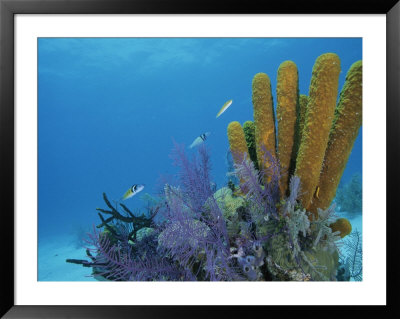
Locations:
(317, 193)
(224, 107)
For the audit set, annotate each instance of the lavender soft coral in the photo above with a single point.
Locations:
(195, 235)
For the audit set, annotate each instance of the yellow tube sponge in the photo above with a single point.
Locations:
(342, 225)
(237, 141)
(346, 124)
(264, 120)
(303, 101)
(249, 129)
(301, 118)
(319, 116)
(287, 92)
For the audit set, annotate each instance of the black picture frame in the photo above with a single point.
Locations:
(8, 8)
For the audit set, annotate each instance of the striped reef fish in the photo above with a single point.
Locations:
(132, 191)
(224, 107)
(200, 139)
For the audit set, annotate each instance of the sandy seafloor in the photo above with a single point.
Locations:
(52, 264)
(54, 251)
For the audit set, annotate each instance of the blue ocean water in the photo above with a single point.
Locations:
(109, 110)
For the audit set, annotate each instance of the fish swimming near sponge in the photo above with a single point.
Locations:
(132, 191)
(200, 139)
(224, 107)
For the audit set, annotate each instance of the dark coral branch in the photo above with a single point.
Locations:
(85, 263)
(113, 211)
(104, 222)
(126, 209)
(137, 222)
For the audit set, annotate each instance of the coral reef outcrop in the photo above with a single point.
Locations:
(277, 224)
(314, 137)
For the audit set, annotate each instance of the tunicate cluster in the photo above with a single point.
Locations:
(250, 263)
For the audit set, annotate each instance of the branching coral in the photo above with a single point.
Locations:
(137, 222)
(119, 253)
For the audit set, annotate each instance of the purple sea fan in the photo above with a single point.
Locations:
(261, 187)
(195, 235)
(120, 263)
(194, 176)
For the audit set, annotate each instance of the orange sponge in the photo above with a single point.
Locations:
(343, 225)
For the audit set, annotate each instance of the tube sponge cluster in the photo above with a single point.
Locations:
(315, 136)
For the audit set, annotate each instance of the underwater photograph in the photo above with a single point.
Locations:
(200, 159)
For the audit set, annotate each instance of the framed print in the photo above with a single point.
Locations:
(195, 155)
